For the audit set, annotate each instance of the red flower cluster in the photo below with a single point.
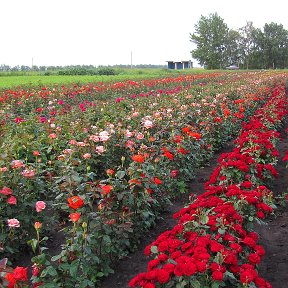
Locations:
(211, 236)
(10, 199)
(18, 275)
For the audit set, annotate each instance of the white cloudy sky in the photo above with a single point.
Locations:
(104, 32)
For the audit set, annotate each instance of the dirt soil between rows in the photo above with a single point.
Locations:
(273, 236)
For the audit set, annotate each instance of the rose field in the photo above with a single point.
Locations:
(87, 171)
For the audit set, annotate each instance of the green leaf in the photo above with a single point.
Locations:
(204, 219)
(230, 275)
(120, 174)
(182, 284)
(154, 249)
(100, 274)
(49, 271)
(215, 284)
(56, 257)
(195, 283)
(91, 175)
(74, 268)
(106, 239)
(221, 231)
(76, 178)
(49, 149)
(33, 243)
(48, 285)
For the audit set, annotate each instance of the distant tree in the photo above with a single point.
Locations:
(4, 67)
(256, 55)
(275, 46)
(35, 68)
(25, 68)
(247, 43)
(271, 47)
(16, 68)
(210, 38)
(232, 47)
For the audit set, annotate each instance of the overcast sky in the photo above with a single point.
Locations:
(104, 32)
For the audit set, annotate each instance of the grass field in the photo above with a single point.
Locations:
(37, 79)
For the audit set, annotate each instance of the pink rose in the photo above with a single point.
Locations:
(140, 136)
(128, 134)
(52, 136)
(73, 142)
(14, 223)
(12, 200)
(6, 191)
(28, 173)
(17, 164)
(40, 205)
(104, 136)
(147, 124)
(3, 169)
(100, 149)
(86, 155)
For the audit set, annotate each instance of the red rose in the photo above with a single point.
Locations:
(260, 214)
(178, 270)
(201, 266)
(138, 158)
(20, 273)
(110, 172)
(11, 281)
(163, 276)
(75, 202)
(75, 217)
(169, 267)
(247, 276)
(254, 258)
(190, 269)
(174, 173)
(157, 181)
(149, 285)
(106, 189)
(217, 276)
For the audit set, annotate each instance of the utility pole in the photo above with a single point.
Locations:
(131, 60)
(32, 64)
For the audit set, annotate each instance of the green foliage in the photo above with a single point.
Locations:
(210, 37)
(217, 46)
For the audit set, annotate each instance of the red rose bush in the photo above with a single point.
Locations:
(213, 243)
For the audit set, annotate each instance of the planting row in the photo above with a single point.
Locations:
(100, 171)
(213, 243)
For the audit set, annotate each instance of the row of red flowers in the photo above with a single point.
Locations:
(213, 243)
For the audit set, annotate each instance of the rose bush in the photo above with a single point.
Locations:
(106, 159)
(213, 244)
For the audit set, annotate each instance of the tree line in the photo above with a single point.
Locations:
(63, 69)
(248, 47)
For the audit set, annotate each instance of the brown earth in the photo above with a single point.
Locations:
(273, 236)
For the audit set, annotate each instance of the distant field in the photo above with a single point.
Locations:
(10, 81)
